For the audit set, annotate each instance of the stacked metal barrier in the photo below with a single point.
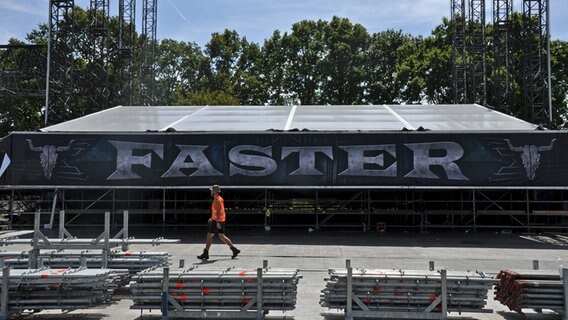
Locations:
(531, 289)
(406, 290)
(132, 261)
(65, 289)
(205, 290)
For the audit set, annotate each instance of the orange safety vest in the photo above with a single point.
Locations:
(220, 215)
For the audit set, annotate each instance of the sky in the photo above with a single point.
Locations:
(196, 20)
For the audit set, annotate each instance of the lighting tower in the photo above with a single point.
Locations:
(99, 32)
(459, 55)
(478, 52)
(149, 39)
(536, 55)
(503, 43)
(59, 84)
(127, 27)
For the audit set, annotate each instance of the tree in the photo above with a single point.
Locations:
(383, 58)
(178, 71)
(342, 65)
(304, 51)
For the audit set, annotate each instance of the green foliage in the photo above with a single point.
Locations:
(205, 98)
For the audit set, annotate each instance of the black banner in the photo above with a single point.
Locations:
(292, 159)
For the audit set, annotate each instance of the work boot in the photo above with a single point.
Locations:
(235, 252)
(204, 255)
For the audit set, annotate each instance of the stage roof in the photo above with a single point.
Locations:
(367, 118)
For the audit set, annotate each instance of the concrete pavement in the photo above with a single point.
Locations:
(315, 252)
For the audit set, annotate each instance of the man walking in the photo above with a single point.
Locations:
(217, 224)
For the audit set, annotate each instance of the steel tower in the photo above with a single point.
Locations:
(149, 39)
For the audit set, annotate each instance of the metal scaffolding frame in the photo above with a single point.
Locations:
(59, 84)
(104, 242)
(536, 54)
(228, 294)
(459, 54)
(127, 32)
(405, 294)
(149, 41)
(520, 209)
(478, 52)
(503, 66)
(99, 32)
(27, 77)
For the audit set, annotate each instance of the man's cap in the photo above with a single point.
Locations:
(215, 188)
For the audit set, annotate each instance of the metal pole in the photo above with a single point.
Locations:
(565, 284)
(4, 294)
(528, 211)
(548, 61)
(12, 206)
(474, 213)
(106, 249)
(259, 302)
(48, 62)
(444, 294)
(34, 253)
(349, 307)
(61, 224)
(164, 209)
(165, 294)
(265, 208)
(125, 230)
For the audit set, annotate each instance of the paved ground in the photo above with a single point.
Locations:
(315, 252)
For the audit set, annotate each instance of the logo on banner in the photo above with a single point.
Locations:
(48, 155)
(5, 164)
(530, 154)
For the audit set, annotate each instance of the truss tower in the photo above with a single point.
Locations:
(149, 39)
(536, 54)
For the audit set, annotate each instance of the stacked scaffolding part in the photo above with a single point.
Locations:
(411, 294)
(64, 289)
(533, 289)
(134, 262)
(104, 242)
(228, 293)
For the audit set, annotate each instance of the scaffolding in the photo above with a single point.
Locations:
(478, 52)
(459, 54)
(127, 33)
(503, 66)
(99, 32)
(418, 209)
(536, 54)
(149, 40)
(59, 84)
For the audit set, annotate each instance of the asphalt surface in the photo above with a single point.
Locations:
(314, 252)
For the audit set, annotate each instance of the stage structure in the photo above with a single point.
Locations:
(420, 166)
(126, 44)
(459, 53)
(60, 72)
(478, 52)
(536, 71)
(149, 40)
(99, 55)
